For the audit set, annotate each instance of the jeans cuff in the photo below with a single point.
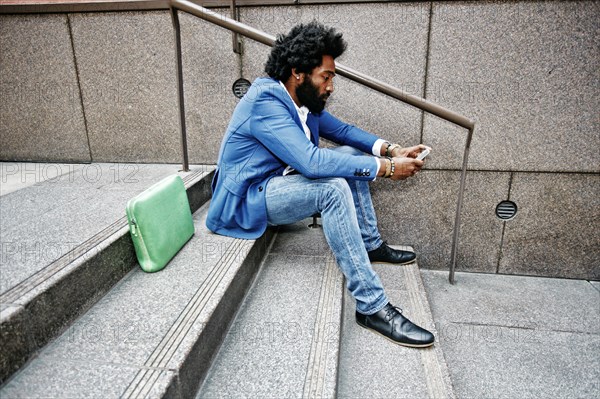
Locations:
(376, 307)
(376, 244)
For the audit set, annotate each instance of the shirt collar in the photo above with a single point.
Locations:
(302, 111)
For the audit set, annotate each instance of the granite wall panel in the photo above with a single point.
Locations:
(556, 229)
(210, 67)
(40, 117)
(420, 212)
(126, 64)
(528, 72)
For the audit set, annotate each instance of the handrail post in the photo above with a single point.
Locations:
(237, 45)
(461, 192)
(180, 98)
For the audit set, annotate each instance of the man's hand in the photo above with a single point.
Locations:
(406, 167)
(409, 152)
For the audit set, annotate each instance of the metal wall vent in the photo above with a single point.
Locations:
(506, 210)
(240, 87)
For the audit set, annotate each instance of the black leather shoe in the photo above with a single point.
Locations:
(386, 254)
(390, 323)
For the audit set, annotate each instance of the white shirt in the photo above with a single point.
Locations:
(303, 114)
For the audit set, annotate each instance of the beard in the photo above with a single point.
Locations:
(308, 95)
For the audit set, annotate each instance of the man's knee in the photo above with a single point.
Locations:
(336, 188)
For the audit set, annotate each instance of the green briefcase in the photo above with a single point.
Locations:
(160, 222)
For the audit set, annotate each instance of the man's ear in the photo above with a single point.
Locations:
(297, 76)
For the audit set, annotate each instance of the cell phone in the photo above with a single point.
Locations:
(423, 154)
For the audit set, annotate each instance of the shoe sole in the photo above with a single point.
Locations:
(396, 342)
(392, 263)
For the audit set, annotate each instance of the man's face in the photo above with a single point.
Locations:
(317, 86)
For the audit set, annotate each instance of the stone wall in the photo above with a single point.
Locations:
(101, 87)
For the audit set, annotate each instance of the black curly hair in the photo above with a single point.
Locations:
(303, 48)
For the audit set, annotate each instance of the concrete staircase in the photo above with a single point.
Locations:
(268, 318)
(295, 334)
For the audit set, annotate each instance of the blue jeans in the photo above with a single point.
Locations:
(349, 224)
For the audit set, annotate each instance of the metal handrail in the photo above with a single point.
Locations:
(269, 40)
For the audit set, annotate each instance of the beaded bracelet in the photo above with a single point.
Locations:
(391, 169)
(388, 168)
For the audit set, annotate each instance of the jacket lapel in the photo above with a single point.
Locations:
(313, 125)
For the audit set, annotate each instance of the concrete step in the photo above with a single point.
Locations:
(152, 335)
(400, 372)
(65, 243)
(284, 341)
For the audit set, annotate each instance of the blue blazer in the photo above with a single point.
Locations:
(264, 136)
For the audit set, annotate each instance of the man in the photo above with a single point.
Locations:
(271, 171)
